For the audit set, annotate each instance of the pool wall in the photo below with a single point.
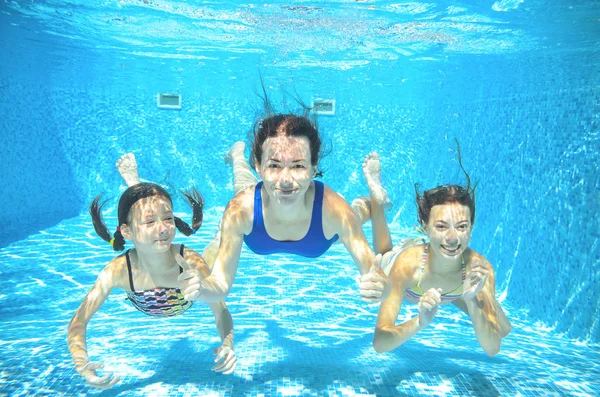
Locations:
(528, 127)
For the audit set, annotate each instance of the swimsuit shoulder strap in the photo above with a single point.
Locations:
(258, 215)
(129, 270)
(181, 248)
(316, 219)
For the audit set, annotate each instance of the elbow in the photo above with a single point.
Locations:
(492, 349)
(378, 342)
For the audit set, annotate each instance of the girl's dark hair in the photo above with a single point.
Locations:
(445, 194)
(131, 196)
(274, 124)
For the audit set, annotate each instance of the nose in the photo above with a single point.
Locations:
(452, 237)
(285, 176)
(162, 227)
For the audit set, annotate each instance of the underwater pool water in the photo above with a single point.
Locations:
(517, 82)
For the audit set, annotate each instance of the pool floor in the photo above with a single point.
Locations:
(300, 329)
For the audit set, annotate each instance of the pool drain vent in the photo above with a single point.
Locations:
(324, 106)
(168, 101)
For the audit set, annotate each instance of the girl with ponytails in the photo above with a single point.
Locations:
(151, 273)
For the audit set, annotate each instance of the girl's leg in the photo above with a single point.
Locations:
(382, 241)
(127, 167)
(243, 177)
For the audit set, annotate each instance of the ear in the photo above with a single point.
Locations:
(125, 231)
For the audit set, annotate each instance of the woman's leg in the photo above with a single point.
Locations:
(127, 167)
(382, 241)
(243, 178)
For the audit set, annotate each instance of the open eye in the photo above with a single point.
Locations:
(273, 165)
(463, 227)
(440, 227)
(300, 166)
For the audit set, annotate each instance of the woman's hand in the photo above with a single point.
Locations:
(88, 372)
(375, 286)
(189, 280)
(226, 359)
(428, 305)
(475, 280)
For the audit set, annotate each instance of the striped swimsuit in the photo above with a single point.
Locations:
(163, 302)
(453, 295)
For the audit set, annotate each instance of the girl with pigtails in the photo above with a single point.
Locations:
(150, 274)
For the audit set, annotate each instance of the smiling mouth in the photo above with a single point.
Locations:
(286, 192)
(451, 251)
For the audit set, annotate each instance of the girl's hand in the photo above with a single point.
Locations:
(88, 372)
(428, 305)
(475, 280)
(189, 280)
(225, 360)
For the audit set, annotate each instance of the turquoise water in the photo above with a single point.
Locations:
(517, 82)
(300, 329)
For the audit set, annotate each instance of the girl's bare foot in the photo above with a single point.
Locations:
(237, 149)
(372, 171)
(127, 167)
(362, 208)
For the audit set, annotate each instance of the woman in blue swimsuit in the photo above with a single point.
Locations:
(287, 212)
(150, 273)
(439, 271)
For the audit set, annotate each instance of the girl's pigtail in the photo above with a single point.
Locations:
(96, 213)
(196, 202)
(118, 242)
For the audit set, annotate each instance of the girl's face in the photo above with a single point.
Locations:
(152, 225)
(286, 168)
(449, 229)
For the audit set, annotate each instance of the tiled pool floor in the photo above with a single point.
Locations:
(300, 330)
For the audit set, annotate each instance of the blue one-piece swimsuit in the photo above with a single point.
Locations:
(313, 245)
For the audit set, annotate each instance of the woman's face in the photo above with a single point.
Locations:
(152, 224)
(286, 168)
(449, 229)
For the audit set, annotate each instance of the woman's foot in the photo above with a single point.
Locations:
(237, 149)
(127, 167)
(372, 171)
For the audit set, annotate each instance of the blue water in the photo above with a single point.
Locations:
(517, 82)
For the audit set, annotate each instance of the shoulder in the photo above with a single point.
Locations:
(406, 264)
(472, 257)
(335, 205)
(115, 274)
(192, 257)
(338, 216)
(239, 212)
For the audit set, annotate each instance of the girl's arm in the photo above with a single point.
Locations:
(389, 336)
(76, 332)
(479, 299)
